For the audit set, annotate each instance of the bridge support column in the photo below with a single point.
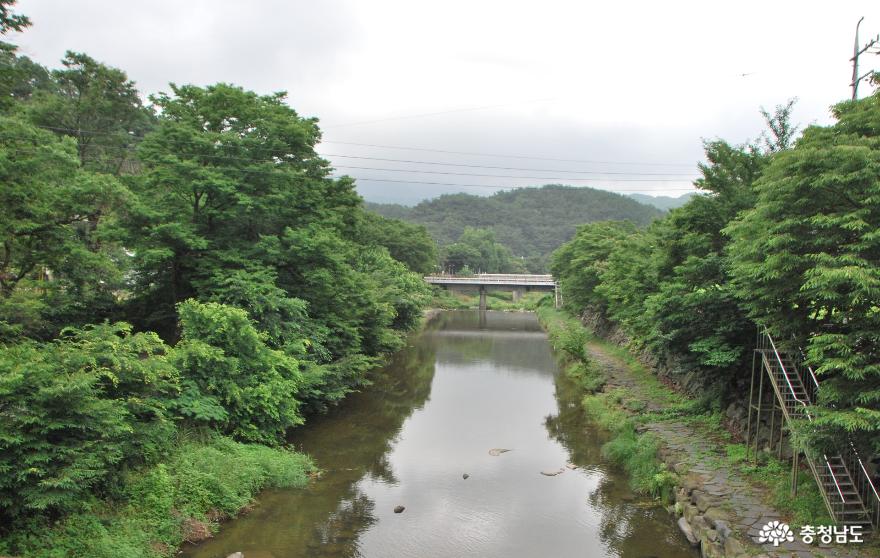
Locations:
(482, 299)
(517, 294)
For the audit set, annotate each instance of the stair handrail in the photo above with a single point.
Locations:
(864, 471)
(875, 512)
(834, 478)
(812, 374)
(867, 476)
(784, 373)
(806, 411)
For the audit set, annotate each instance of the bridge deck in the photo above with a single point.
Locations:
(494, 279)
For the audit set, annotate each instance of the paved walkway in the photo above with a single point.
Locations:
(699, 458)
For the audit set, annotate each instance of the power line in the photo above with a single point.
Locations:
(681, 175)
(416, 162)
(516, 177)
(478, 154)
(279, 171)
(498, 187)
(424, 149)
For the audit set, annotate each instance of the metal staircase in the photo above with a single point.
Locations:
(843, 480)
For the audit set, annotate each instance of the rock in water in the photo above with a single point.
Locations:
(552, 472)
(399, 509)
(497, 451)
(687, 531)
(236, 555)
(465, 476)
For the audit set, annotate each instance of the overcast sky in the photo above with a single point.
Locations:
(618, 95)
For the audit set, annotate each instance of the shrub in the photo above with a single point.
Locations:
(74, 409)
(232, 380)
(202, 482)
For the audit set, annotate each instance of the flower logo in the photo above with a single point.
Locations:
(775, 532)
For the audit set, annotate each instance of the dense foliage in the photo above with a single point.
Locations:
(786, 237)
(173, 276)
(806, 261)
(477, 251)
(529, 222)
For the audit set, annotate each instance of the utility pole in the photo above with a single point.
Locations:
(873, 46)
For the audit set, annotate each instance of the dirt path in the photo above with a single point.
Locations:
(715, 490)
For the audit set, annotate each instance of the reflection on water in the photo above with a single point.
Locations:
(465, 385)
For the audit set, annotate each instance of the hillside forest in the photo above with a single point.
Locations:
(513, 231)
(181, 283)
(786, 238)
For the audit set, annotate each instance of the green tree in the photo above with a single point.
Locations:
(230, 378)
(694, 312)
(48, 231)
(74, 409)
(530, 222)
(478, 250)
(782, 131)
(96, 105)
(578, 263)
(225, 170)
(10, 21)
(406, 242)
(806, 261)
(20, 79)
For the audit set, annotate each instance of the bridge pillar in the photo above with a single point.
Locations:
(517, 294)
(482, 298)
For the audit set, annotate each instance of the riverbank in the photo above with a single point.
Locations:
(426, 437)
(150, 512)
(675, 448)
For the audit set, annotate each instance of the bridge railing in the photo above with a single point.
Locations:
(494, 279)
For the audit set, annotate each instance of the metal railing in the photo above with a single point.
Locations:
(851, 461)
(864, 485)
(491, 280)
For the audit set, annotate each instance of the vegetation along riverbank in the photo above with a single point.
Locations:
(676, 448)
(182, 282)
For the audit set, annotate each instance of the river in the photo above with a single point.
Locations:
(463, 386)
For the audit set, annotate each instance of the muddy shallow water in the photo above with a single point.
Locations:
(463, 386)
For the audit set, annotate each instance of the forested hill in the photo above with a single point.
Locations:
(663, 202)
(531, 222)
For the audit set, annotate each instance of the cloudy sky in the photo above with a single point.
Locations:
(419, 98)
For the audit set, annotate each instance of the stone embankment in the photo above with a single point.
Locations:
(717, 509)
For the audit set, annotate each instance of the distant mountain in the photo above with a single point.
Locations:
(532, 222)
(663, 202)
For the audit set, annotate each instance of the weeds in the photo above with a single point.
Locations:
(156, 509)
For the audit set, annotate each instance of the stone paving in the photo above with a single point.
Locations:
(719, 492)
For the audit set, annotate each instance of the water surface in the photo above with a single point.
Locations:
(465, 385)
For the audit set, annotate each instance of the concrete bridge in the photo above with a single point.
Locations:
(483, 282)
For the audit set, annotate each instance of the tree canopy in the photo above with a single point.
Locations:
(786, 238)
(186, 267)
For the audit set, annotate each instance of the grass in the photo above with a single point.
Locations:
(620, 410)
(495, 300)
(807, 508)
(154, 510)
(635, 453)
(586, 375)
